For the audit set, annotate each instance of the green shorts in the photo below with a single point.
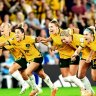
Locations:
(76, 62)
(39, 61)
(22, 62)
(64, 63)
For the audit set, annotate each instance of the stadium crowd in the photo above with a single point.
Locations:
(34, 16)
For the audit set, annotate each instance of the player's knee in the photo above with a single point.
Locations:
(72, 73)
(80, 76)
(42, 75)
(28, 73)
(64, 75)
(25, 77)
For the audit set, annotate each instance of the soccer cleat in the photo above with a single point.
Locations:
(39, 89)
(93, 93)
(54, 90)
(24, 88)
(33, 93)
(36, 91)
(86, 93)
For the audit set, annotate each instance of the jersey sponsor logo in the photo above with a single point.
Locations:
(26, 51)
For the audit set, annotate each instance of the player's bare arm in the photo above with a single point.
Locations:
(76, 53)
(88, 60)
(44, 40)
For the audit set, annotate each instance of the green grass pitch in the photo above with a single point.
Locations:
(46, 92)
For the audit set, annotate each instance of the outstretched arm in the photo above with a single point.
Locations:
(3, 44)
(7, 42)
(43, 40)
(76, 53)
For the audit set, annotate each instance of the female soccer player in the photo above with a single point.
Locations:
(90, 41)
(32, 55)
(75, 40)
(65, 52)
(5, 35)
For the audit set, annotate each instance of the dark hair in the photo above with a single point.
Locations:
(48, 19)
(21, 29)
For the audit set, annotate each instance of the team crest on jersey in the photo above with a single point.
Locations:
(27, 45)
(82, 40)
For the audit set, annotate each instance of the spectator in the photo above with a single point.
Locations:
(20, 18)
(51, 58)
(41, 46)
(81, 23)
(79, 8)
(61, 20)
(27, 8)
(33, 23)
(49, 14)
(5, 68)
(6, 18)
(47, 20)
(12, 5)
(27, 29)
(2, 11)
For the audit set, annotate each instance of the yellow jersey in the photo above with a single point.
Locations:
(14, 51)
(27, 48)
(65, 51)
(4, 39)
(92, 45)
(78, 40)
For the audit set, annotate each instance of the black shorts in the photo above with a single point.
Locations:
(39, 61)
(94, 64)
(22, 62)
(64, 63)
(76, 62)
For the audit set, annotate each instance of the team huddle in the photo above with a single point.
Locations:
(76, 51)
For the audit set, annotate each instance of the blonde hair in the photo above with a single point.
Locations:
(6, 24)
(67, 32)
(93, 28)
(54, 21)
(90, 29)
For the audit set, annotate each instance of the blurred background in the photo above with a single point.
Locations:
(34, 16)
